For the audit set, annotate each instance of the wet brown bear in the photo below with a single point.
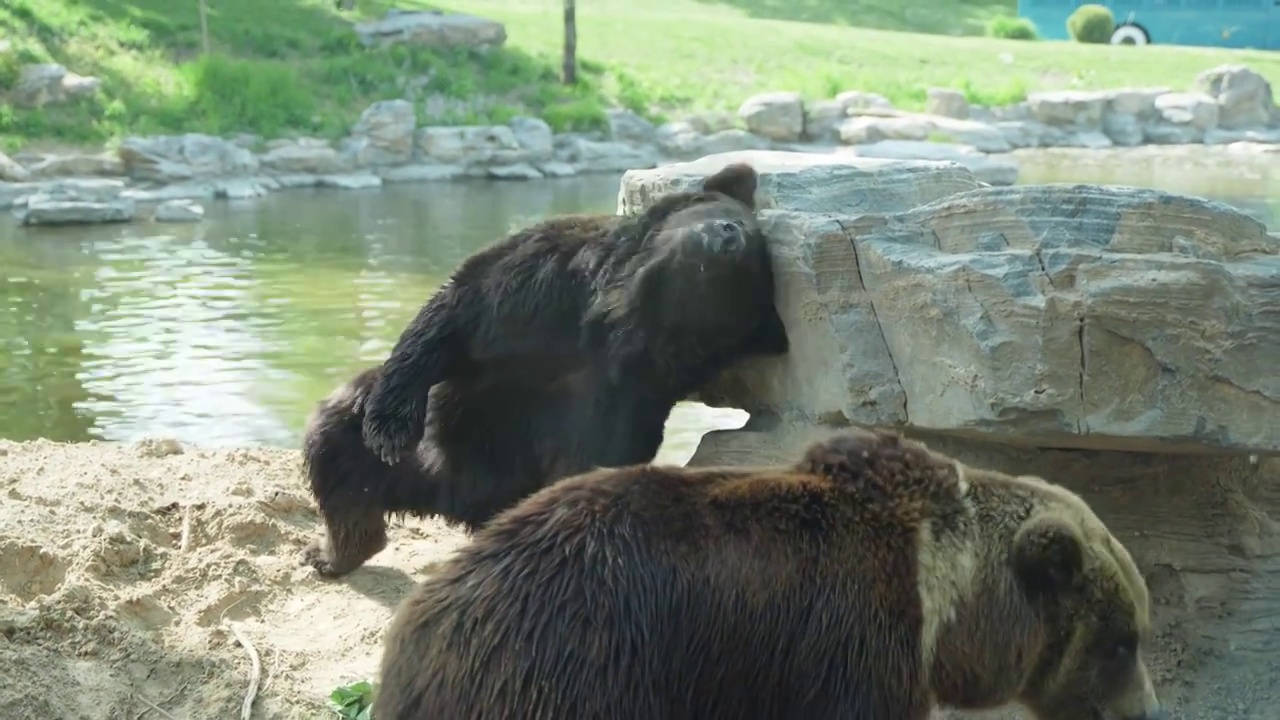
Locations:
(559, 350)
(873, 580)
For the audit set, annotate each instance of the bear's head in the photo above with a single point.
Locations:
(1094, 616)
(1026, 596)
(700, 267)
(702, 248)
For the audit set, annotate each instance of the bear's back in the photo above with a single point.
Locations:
(660, 592)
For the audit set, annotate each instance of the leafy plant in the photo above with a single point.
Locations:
(1092, 24)
(1011, 28)
(353, 702)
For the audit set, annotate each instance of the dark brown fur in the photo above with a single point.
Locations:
(562, 349)
(661, 593)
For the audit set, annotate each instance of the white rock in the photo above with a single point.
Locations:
(776, 115)
(179, 211)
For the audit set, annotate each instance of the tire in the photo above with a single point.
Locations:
(1129, 35)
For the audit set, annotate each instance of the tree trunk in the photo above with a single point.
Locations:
(204, 27)
(569, 69)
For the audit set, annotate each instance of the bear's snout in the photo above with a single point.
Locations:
(726, 236)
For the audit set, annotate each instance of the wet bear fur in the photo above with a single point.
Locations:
(560, 350)
(623, 290)
(872, 580)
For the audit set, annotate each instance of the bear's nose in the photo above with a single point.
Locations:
(727, 236)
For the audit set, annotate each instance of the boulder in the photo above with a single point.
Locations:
(1072, 316)
(101, 164)
(857, 102)
(863, 129)
(1195, 109)
(472, 145)
(431, 28)
(988, 169)
(822, 120)
(602, 156)
(534, 136)
(169, 158)
(179, 210)
(301, 157)
(684, 141)
(947, 103)
(776, 116)
(76, 202)
(350, 181)
(1243, 96)
(808, 182)
(12, 171)
(627, 126)
(383, 135)
(1072, 108)
(43, 84)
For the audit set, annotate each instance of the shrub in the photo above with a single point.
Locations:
(262, 96)
(1011, 28)
(1091, 24)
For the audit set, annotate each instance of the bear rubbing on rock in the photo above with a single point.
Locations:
(557, 351)
(568, 284)
(873, 580)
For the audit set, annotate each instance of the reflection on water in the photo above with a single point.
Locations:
(227, 332)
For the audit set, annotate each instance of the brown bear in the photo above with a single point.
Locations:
(563, 348)
(570, 284)
(873, 580)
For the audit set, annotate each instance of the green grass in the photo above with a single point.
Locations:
(284, 66)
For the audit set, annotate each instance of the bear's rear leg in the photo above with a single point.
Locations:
(352, 536)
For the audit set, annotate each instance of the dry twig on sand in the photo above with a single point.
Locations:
(255, 670)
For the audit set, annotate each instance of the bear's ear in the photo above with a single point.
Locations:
(738, 181)
(1048, 556)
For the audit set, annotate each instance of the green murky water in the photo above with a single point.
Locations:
(227, 332)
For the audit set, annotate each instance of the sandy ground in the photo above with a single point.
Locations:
(124, 567)
(106, 613)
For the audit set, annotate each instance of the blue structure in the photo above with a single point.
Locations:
(1204, 23)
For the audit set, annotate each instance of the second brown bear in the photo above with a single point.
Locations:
(873, 580)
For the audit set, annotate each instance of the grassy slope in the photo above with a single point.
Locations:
(287, 65)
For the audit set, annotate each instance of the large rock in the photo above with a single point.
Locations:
(1243, 96)
(777, 115)
(1071, 108)
(808, 182)
(584, 155)
(12, 171)
(100, 164)
(1055, 315)
(43, 84)
(432, 28)
(947, 103)
(627, 126)
(685, 140)
(170, 158)
(302, 156)
(180, 210)
(383, 135)
(822, 120)
(988, 169)
(77, 202)
(863, 129)
(524, 140)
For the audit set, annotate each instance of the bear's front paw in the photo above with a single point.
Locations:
(391, 437)
(317, 556)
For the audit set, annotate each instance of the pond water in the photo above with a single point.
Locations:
(227, 332)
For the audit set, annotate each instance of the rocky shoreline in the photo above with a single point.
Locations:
(1228, 105)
